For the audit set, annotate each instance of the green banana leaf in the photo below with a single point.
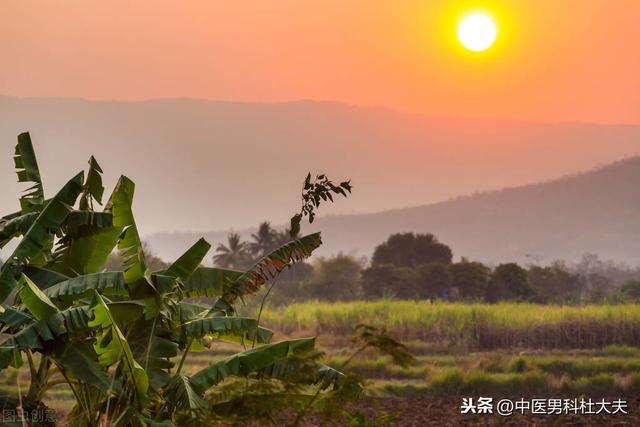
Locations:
(248, 362)
(267, 268)
(235, 329)
(109, 283)
(303, 371)
(189, 311)
(120, 205)
(38, 240)
(35, 300)
(79, 358)
(181, 395)
(10, 356)
(207, 281)
(66, 323)
(15, 318)
(112, 347)
(126, 312)
(28, 171)
(152, 346)
(89, 238)
(43, 277)
(188, 263)
(49, 221)
(15, 227)
(93, 188)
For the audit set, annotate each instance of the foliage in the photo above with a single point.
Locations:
(387, 280)
(410, 250)
(470, 279)
(335, 278)
(313, 193)
(234, 254)
(509, 281)
(555, 284)
(371, 337)
(265, 240)
(433, 279)
(119, 339)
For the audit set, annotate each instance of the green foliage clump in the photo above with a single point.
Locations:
(509, 281)
(335, 278)
(410, 250)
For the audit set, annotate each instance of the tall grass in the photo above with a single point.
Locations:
(482, 326)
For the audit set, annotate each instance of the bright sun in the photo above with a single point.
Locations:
(477, 32)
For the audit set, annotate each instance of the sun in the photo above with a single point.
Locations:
(477, 32)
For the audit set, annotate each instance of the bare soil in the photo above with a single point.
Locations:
(445, 411)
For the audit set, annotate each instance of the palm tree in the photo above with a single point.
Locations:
(264, 241)
(232, 255)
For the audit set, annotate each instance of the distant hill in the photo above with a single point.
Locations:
(597, 212)
(208, 165)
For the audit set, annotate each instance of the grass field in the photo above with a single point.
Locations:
(475, 349)
(468, 326)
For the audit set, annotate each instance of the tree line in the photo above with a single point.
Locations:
(419, 266)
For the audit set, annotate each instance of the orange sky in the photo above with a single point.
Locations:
(554, 60)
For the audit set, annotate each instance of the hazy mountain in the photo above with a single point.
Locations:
(597, 212)
(204, 165)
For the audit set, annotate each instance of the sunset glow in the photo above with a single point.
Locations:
(404, 54)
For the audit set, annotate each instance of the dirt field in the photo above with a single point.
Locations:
(431, 411)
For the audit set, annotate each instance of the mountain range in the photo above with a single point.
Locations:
(214, 165)
(595, 212)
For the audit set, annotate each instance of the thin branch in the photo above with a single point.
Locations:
(264, 299)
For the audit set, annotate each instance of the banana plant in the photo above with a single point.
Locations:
(119, 339)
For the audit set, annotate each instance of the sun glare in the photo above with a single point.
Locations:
(477, 32)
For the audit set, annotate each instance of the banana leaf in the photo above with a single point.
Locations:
(235, 329)
(66, 323)
(15, 227)
(185, 266)
(79, 358)
(181, 395)
(207, 281)
(267, 268)
(35, 300)
(38, 240)
(112, 346)
(109, 283)
(129, 243)
(152, 346)
(248, 362)
(10, 356)
(89, 238)
(93, 188)
(28, 171)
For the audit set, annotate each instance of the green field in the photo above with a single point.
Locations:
(480, 348)
(467, 349)
(464, 327)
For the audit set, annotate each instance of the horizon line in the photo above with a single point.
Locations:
(326, 102)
